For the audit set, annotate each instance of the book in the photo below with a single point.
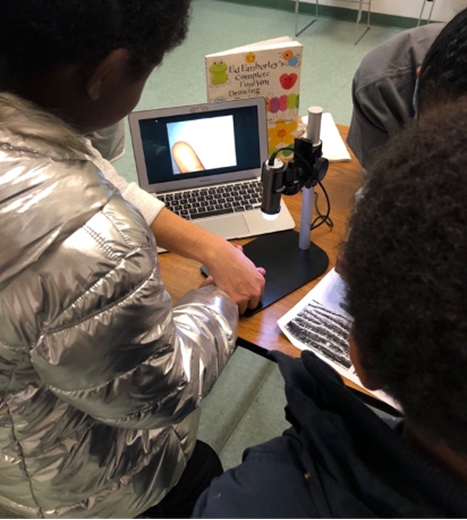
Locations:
(320, 323)
(268, 69)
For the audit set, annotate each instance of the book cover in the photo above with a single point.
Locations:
(269, 69)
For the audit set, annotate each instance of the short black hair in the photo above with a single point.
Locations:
(443, 75)
(37, 36)
(405, 264)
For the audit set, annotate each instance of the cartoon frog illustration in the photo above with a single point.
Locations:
(218, 72)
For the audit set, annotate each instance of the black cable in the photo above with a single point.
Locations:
(322, 218)
(273, 156)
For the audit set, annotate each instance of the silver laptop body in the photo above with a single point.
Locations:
(209, 156)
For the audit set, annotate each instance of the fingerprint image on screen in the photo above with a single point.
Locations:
(202, 144)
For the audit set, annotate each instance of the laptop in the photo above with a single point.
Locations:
(204, 161)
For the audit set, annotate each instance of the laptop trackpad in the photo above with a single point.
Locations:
(228, 226)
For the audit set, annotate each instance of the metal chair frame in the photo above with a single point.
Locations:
(359, 16)
(297, 7)
(423, 9)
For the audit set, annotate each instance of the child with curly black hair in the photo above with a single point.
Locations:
(404, 264)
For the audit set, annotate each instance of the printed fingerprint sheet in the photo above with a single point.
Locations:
(320, 323)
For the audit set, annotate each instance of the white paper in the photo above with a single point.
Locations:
(320, 324)
(334, 148)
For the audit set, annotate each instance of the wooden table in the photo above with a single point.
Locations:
(260, 332)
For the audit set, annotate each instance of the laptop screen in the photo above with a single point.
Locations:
(199, 145)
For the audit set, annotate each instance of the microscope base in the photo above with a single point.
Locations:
(287, 266)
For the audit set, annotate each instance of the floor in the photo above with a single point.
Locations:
(246, 406)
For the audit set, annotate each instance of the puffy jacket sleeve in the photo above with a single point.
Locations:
(147, 204)
(116, 348)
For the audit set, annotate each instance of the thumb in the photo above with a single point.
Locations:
(209, 280)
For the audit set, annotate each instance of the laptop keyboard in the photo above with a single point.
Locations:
(215, 200)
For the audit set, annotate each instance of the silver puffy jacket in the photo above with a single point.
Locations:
(100, 377)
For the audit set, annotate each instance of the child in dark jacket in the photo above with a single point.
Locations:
(406, 288)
